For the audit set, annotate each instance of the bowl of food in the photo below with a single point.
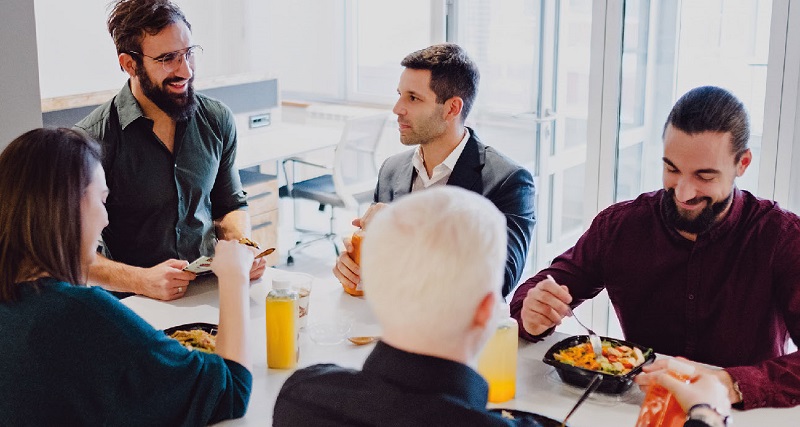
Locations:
(576, 363)
(195, 336)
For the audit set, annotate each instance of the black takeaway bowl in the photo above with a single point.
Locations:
(580, 377)
(516, 414)
(208, 327)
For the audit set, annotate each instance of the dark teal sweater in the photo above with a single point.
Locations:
(73, 355)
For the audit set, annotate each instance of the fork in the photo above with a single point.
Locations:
(594, 339)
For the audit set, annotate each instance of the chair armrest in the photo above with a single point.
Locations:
(302, 161)
(295, 160)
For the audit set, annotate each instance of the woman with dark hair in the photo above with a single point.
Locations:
(74, 355)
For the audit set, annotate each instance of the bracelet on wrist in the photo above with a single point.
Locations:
(738, 391)
(710, 416)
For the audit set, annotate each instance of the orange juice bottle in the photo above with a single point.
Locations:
(282, 313)
(498, 360)
(356, 240)
(659, 408)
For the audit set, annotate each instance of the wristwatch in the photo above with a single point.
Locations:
(709, 415)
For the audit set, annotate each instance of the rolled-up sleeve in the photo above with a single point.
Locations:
(227, 194)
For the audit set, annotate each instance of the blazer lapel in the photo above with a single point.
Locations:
(467, 171)
(403, 179)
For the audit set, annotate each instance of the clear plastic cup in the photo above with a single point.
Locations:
(331, 329)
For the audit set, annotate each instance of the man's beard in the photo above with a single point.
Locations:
(427, 129)
(702, 223)
(178, 106)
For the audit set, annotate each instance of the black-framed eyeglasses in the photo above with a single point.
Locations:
(170, 61)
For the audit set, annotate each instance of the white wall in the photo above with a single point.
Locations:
(301, 42)
(305, 45)
(20, 106)
(76, 54)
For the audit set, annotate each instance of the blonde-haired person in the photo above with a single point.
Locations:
(433, 263)
(74, 355)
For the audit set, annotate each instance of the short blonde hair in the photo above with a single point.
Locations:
(431, 257)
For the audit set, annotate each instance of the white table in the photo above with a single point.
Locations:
(538, 389)
(283, 139)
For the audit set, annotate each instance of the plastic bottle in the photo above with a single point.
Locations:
(498, 359)
(659, 408)
(282, 313)
(356, 240)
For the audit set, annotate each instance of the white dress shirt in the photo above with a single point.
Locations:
(441, 172)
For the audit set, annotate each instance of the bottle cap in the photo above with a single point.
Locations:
(680, 368)
(502, 310)
(281, 284)
(503, 317)
(505, 309)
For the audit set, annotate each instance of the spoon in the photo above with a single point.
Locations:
(594, 339)
(589, 389)
(363, 340)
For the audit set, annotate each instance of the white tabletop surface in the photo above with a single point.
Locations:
(283, 139)
(538, 387)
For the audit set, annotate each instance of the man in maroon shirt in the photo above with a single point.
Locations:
(700, 269)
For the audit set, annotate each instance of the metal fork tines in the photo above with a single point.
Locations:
(594, 339)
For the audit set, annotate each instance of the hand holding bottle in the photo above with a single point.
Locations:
(347, 269)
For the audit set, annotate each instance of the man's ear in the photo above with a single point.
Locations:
(485, 311)
(127, 63)
(453, 107)
(744, 162)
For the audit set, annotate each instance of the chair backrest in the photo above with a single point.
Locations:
(355, 166)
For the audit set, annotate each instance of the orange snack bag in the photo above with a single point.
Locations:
(659, 408)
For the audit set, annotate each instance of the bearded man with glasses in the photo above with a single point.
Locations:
(168, 155)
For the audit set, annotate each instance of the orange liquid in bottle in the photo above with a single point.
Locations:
(282, 313)
(356, 240)
(497, 362)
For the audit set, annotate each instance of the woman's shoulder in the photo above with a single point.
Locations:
(91, 310)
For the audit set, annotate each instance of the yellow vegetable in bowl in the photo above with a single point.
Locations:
(615, 359)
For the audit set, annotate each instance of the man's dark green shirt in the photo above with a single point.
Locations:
(162, 205)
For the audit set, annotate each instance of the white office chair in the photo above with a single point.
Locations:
(348, 182)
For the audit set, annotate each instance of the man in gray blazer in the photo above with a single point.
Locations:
(437, 90)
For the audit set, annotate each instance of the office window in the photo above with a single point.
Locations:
(302, 43)
(383, 33)
(668, 49)
(533, 102)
